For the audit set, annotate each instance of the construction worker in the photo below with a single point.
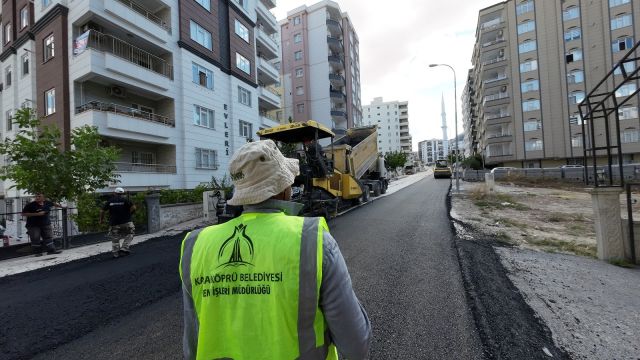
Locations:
(121, 226)
(268, 284)
(39, 225)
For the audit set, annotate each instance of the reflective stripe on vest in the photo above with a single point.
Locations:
(265, 256)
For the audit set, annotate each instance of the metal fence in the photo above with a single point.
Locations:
(576, 175)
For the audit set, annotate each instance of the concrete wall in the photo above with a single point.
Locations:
(177, 213)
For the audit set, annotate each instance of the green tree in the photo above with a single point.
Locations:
(37, 162)
(473, 162)
(395, 159)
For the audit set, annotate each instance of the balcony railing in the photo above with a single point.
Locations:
(498, 135)
(493, 61)
(126, 111)
(497, 96)
(146, 13)
(498, 78)
(145, 168)
(491, 24)
(337, 77)
(496, 116)
(493, 42)
(130, 53)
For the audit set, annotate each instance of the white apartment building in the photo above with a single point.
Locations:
(431, 150)
(392, 119)
(176, 85)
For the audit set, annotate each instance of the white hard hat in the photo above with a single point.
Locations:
(119, 190)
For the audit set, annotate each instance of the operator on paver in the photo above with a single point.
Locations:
(121, 226)
(268, 284)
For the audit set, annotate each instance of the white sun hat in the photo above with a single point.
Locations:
(258, 171)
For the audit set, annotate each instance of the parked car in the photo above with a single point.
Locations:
(571, 167)
(502, 169)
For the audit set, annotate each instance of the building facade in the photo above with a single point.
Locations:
(534, 61)
(431, 150)
(176, 85)
(321, 66)
(392, 119)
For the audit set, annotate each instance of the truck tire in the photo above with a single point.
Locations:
(383, 188)
(376, 189)
(365, 194)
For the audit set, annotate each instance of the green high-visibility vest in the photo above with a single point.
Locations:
(255, 284)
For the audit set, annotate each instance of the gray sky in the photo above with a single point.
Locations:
(398, 41)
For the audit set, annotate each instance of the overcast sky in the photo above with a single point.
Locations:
(398, 41)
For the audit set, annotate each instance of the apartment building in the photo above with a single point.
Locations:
(431, 150)
(534, 61)
(176, 85)
(392, 120)
(321, 66)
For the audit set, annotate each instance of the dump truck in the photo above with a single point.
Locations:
(338, 175)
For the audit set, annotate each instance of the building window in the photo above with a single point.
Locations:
(571, 13)
(244, 96)
(621, 44)
(297, 55)
(9, 116)
(524, 7)
(628, 68)
(526, 46)
(200, 35)
(532, 125)
(205, 4)
(24, 17)
(533, 145)
(300, 108)
(572, 34)
(626, 90)
(613, 3)
(299, 90)
(7, 33)
(243, 64)
(629, 135)
(531, 105)
(575, 119)
(296, 20)
(202, 76)
(25, 64)
(627, 112)
(297, 38)
(242, 31)
(243, 3)
(245, 129)
(299, 72)
(576, 97)
(49, 47)
(206, 159)
(46, 3)
(529, 65)
(142, 158)
(203, 116)
(526, 26)
(529, 85)
(576, 140)
(573, 55)
(7, 77)
(50, 102)
(621, 21)
(575, 77)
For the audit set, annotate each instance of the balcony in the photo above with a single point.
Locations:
(495, 79)
(266, 46)
(267, 73)
(338, 114)
(266, 20)
(146, 14)
(494, 61)
(337, 80)
(493, 42)
(336, 62)
(124, 167)
(153, 25)
(337, 95)
(270, 4)
(334, 26)
(492, 24)
(121, 122)
(494, 97)
(269, 99)
(335, 44)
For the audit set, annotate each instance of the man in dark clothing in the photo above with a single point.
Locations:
(120, 224)
(39, 225)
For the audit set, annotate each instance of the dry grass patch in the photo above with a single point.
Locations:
(499, 201)
(554, 245)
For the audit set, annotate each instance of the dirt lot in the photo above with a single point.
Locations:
(552, 219)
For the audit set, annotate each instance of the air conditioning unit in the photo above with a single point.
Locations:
(117, 91)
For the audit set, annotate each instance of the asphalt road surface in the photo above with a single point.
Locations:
(400, 250)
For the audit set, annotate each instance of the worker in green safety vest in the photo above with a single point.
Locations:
(268, 284)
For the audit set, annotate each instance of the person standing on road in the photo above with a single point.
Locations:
(120, 225)
(39, 225)
(268, 284)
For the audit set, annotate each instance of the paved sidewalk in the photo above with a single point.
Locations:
(28, 263)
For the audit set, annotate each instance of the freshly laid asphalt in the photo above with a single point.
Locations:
(429, 295)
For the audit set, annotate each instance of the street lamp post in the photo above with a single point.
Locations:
(455, 106)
